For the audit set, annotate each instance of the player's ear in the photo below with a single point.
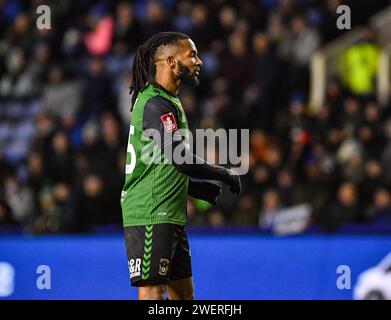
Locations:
(171, 62)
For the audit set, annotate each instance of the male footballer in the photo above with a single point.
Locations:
(154, 195)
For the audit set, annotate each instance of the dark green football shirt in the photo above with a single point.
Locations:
(153, 192)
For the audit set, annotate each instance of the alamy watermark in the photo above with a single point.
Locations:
(344, 20)
(7, 279)
(344, 278)
(222, 147)
(44, 20)
(44, 281)
(8, 273)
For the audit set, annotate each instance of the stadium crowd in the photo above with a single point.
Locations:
(64, 111)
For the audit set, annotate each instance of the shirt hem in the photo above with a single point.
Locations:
(148, 222)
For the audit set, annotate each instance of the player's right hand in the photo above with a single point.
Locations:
(235, 185)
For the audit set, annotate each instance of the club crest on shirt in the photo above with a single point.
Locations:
(169, 122)
(163, 267)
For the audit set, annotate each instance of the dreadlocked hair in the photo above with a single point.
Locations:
(143, 64)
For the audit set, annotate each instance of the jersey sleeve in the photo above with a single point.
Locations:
(161, 115)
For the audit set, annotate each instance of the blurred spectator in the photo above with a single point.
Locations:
(182, 20)
(301, 42)
(372, 180)
(90, 155)
(298, 46)
(98, 40)
(311, 189)
(60, 161)
(61, 98)
(345, 209)
(351, 116)
(227, 17)
(215, 218)
(97, 92)
(246, 213)
(65, 201)
(381, 208)
(236, 65)
(57, 210)
(20, 200)
(360, 64)
(386, 153)
(19, 34)
(270, 206)
(16, 82)
(6, 168)
(45, 126)
(92, 203)
(113, 147)
(127, 27)
(156, 19)
(37, 177)
(260, 95)
(6, 218)
(285, 187)
(200, 23)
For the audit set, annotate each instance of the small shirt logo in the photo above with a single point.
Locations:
(169, 122)
(163, 267)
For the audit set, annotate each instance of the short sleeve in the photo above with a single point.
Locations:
(161, 115)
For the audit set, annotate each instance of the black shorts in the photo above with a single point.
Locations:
(157, 254)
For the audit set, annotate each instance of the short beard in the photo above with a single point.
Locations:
(186, 77)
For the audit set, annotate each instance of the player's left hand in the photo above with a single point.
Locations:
(204, 190)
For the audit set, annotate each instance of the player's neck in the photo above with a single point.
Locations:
(169, 85)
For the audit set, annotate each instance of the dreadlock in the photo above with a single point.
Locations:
(143, 63)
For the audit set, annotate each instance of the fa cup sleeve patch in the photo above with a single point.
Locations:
(169, 122)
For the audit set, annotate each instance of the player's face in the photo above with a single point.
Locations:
(189, 64)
